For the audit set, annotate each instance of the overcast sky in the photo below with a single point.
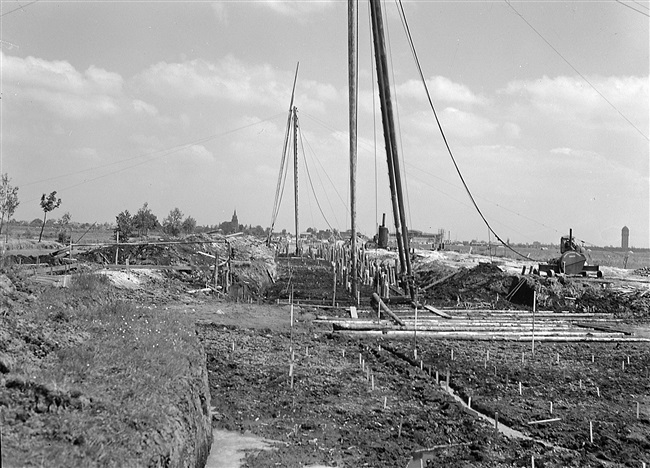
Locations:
(184, 104)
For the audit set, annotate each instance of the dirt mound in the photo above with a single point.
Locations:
(484, 284)
(645, 271)
(251, 262)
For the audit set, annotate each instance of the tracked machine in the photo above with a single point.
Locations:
(572, 260)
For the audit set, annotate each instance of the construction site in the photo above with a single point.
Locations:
(491, 365)
(177, 345)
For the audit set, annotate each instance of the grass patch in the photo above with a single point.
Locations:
(90, 384)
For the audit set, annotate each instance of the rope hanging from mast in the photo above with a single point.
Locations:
(442, 133)
(279, 190)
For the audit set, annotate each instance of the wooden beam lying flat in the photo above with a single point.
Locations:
(438, 312)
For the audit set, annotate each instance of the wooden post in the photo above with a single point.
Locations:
(415, 334)
(352, 101)
(385, 308)
(216, 268)
(334, 285)
(291, 374)
(394, 176)
(291, 319)
(117, 242)
(534, 307)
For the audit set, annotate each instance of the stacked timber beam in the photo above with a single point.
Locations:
(493, 325)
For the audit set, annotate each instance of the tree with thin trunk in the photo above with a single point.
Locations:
(173, 223)
(48, 204)
(8, 200)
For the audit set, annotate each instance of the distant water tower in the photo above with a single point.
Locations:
(625, 238)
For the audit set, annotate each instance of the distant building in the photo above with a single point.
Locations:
(625, 238)
(234, 222)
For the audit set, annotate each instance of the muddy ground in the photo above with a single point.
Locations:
(333, 416)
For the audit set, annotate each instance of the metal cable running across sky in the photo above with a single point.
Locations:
(442, 133)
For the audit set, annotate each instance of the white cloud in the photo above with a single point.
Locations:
(571, 99)
(511, 130)
(566, 151)
(229, 79)
(233, 80)
(86, 153)
(59, 76)
(441, 89)
(61, 89)
(142, 107)
(466, 124)
(297, 9)
(198, 153)
(220, 12)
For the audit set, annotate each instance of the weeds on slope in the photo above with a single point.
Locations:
(89, 380)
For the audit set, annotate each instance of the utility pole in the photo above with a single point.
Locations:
(390, 141)
(295, 175)
(352, 98)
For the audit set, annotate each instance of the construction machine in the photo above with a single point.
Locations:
(572, 260)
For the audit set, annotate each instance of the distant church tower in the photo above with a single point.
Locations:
(234, 222)
(625, 238)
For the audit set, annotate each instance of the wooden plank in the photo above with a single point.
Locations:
(385, 308)
(514, 338)
(603, 328)
(45, 269)
(544, 421)
(441, 280)
(438, 312)
(149, 267)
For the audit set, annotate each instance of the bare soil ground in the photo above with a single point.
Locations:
(334, 416)
(368, 400)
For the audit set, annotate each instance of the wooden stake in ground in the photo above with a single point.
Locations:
(291, 374)
(415, 335)
(291, 320)
(117, 242)
(334, 285)
(216, 269)
(534, 307)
